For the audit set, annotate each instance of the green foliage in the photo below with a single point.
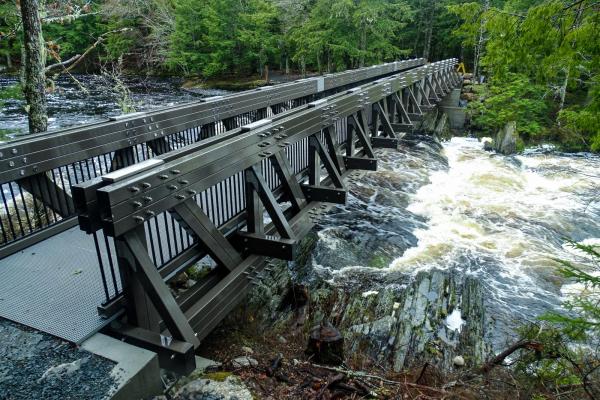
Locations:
(72, 37)
(515, 99)
(552, 362)
(581, 122)
(219, 36)
(11, 92)
(565, 355)
(583, 318)
(10, 40)
(554, 47)
(341, 34)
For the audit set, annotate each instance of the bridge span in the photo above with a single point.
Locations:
(97, 220)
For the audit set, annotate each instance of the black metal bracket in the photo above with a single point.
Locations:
(367, 164)
(325, 194)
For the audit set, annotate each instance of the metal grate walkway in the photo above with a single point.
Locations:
(54, 286)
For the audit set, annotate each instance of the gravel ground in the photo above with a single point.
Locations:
(34, 365)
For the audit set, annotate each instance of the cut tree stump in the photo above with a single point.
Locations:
(326, 344)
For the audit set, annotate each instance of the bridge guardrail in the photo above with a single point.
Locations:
(213, 194)
(38, 171)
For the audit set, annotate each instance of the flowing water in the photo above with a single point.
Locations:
(70, 105)
(460, 208)
(429, 206)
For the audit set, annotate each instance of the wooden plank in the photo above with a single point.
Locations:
(254, 208)
(416, 105)
(402, 110)
(367, 164)
(386, 143)
(325, 194)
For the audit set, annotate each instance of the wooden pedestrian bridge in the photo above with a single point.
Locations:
(97, 220)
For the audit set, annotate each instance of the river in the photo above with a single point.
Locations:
(450, 206)
(457, 207)
(69, 105)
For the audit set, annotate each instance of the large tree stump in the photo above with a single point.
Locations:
(326, 344)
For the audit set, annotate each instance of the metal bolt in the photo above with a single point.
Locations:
(138, 219)
(163, 177)
(183, 181)
(136, 204)
(191, 192)
(172, 187)
(175, 171)
(15, 151)
(146, 185)
(150, 213)
(179, 197)
(147, 199)
(134, 189)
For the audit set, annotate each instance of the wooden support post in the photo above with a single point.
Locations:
(140, 310)
(416, 105)
(333, 173)
(288, 180)
(331, 143)
(255, 178)
(254, 209)
(44, 189)
(385, 122)
(314, 164)
(362, 137)
(146, 273)
(404, 118)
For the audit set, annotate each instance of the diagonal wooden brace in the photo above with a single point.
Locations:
(288, 179)
(362, 137)
(402, 110)
(147, 274)
(255, 178)
(191, 217)
(385, 122)
(334, 175)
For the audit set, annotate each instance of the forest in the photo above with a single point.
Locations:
(451, 269)
(539, 58)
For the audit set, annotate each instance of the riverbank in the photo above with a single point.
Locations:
(435, 264)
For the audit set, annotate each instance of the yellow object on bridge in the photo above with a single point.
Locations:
(461, 68)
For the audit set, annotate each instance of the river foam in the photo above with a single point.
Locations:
(502, 219)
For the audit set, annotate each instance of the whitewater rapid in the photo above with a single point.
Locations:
(502, 219)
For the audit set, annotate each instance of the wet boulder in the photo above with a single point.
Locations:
(506, 139)
(231, 388)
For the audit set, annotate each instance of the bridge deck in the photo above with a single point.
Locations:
(54, 286)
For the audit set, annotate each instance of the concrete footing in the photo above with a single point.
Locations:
(137, 372)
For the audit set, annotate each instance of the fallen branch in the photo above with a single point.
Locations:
(499, 359)
(62, 64)
(72, 62)
(360, 374)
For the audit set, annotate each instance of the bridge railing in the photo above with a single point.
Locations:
(38, 171)
(215, 193)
